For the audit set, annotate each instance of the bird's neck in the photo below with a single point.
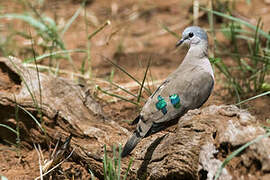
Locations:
(197, 55)
(198, 51)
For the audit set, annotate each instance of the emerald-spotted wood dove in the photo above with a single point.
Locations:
(188, 87)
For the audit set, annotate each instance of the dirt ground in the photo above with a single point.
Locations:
(136, 28)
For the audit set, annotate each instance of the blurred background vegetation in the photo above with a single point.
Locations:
(42, 31)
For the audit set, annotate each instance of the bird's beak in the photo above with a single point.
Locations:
(179, 42)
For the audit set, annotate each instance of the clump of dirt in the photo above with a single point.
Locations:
(18, 163)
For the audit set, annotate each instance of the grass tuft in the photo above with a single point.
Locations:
(112, 166)
(251, 58)
(238, 151)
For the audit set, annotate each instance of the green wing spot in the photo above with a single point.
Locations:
(161, 105)
(175, 100)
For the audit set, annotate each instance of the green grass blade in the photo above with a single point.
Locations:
(114, 160)
(51, 22)
(117, 96)
(244, 38)
(53, 54)
(141, 88)
(52, 33)
(124, 71)
(105, 164)
(71, 20)
(123, 89)
(238, 31)
(119, 162)
(265, 86)
(254, 97)
(163, 26)
(26, 18)
(246, 66)
(236, 152)
(260, 58)
(18, 140)
(99, 29)
(236, 90)
(9, 128)
(33, 117)
(92, 174)
(110, 170)
(39, 84)
(129, 166)
(248, 2)
(239, 21)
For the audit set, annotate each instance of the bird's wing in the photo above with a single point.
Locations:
(184, 89)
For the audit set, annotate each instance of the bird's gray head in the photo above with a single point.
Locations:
(193, 35)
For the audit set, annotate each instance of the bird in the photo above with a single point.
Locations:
(188, 87)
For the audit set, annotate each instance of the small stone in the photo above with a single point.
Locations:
(266, 176)
(246, 118)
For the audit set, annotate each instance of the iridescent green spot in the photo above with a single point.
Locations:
(161, 105)
(175, 100)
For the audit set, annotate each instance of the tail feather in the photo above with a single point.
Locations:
(131, 143)
(136, 120)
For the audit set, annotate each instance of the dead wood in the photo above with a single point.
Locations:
(193, 149)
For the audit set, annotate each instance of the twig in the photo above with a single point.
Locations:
(39, 162)
(40, 177)
(196, 5)
(41, 154)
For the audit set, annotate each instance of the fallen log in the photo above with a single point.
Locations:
(192, 149)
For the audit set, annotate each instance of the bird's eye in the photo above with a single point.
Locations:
(190, 34)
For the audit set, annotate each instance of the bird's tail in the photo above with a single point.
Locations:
(131, 143)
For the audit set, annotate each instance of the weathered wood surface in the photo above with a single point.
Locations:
(190, 150)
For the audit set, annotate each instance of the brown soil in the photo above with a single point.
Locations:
(136, 26)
